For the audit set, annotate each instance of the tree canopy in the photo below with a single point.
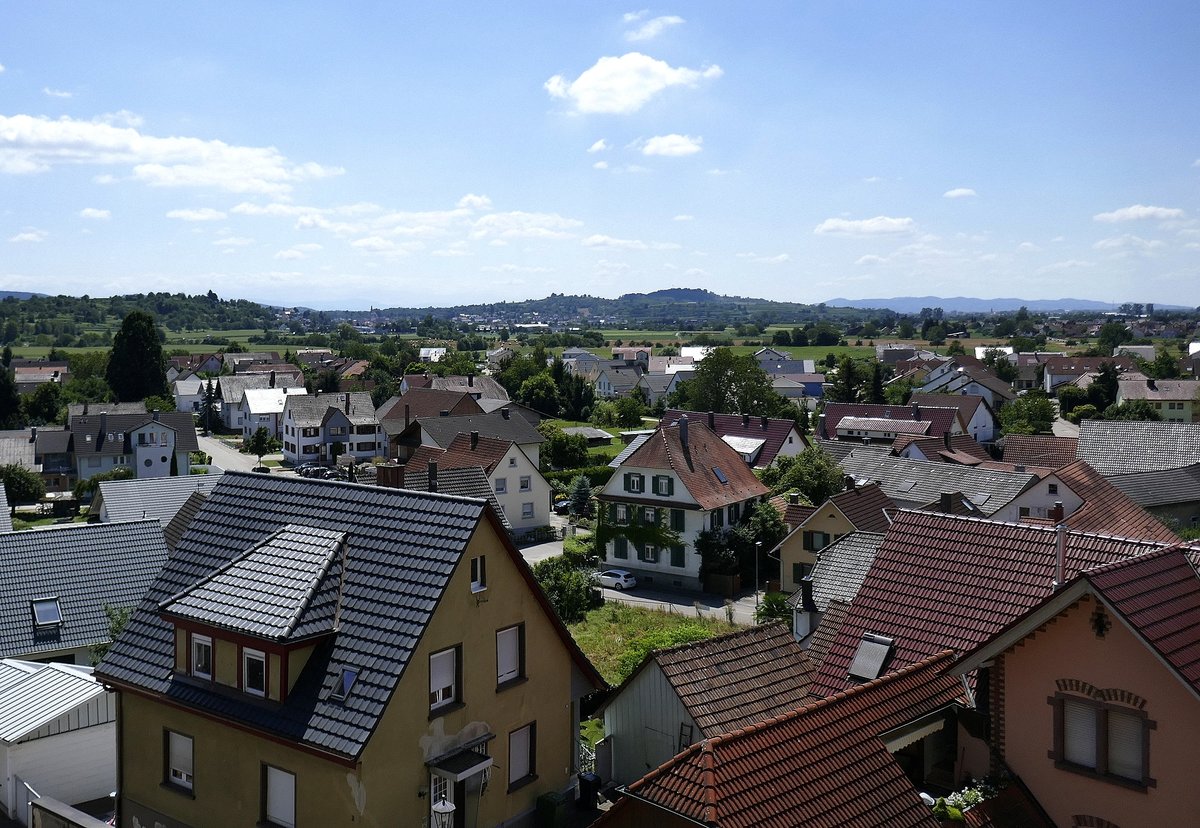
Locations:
(729, 384)
(136, 368)
(814, 473)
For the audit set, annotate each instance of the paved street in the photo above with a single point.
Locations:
(228, 458)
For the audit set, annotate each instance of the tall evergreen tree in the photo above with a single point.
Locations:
(136, 368)
(10, 401)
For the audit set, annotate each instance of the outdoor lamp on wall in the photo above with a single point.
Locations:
(443, 813)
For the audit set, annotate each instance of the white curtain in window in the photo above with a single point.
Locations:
(1125, 745)
(1079, 733)
(281, 797)
(518, 754)
(508, 654)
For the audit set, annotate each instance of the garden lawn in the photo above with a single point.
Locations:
(615, 637)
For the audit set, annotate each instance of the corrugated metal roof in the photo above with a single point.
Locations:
(43, 695)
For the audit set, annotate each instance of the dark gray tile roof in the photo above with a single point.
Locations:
(1114, 447)
(83, 565)
(179, 524)
(918, 482)
(53, 441)
(443, 430)
(1160, 488)
(313, 410)
(272, 591)
(842, 567)
(402, 548)
(81, 409)
(468, 481)
(231, 387)
(158, 498)
(99, 426)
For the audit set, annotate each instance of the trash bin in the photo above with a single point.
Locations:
(589, 789)
(552, 810)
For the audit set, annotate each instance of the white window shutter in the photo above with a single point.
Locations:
(1125, 745)
(181, 753)
(1079, 733)
(508, 654)
(518, 754)
(281, 797)
(441, 675)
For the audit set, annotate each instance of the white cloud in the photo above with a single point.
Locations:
(1028, 247)
(653, 28)
(513, 268)
(375, 244)
(95, 213)
(695, 272)
(202, 214)
(30, 144)
(600, 165)
(1128, 242)
(719, 171)
(29, 234)
(877, 226)
(598, 240)
(1138, 212)
(672, 145)
(56, 93)
(758, 259)
(1069, 264)
(630, 17)
(452, 250)
(105, 178)
(870, 259)
(872, 179)
(960, 192)
(298, 251)
(683, 217)
(621, 85)
(233, 241)
(474, 202)
(599, 146)
(1, 67)
(518, 224)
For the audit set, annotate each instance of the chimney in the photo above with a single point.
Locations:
(433, 476)
(794, 499)
(849, 481)
(272, 380)
(445, 412)
(712, 421)
(474, 439)
(946, 504)
(683, 434)
(406, 415)
(33, 434)
(806, 595)
(347, 402)
(103, 424)
(1151, 384)
(1060, 556)
(745, 421)
(764, 422)
(1019, 469)
(916, 412)
(805, 618)
(156, 414)
(470, 380)
(85, 407)
(1056, 514)
(504, 412)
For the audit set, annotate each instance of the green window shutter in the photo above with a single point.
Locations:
(628, 481)
(670, 486)
(612, 513)
(677, 520)
(718, 518)
(677, 556)
(620, 548)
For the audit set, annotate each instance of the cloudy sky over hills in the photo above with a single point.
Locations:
(340, 155)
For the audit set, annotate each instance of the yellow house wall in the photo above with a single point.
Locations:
(225, 662)
(1069, 648)
(826, 519)
(392, 775)
(181, 644)
(274, 670)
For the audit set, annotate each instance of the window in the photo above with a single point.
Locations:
(635, 482)
(650, 516)
(512, 462)
(443, 678)
(522, 756)
(718, 518)
(814, 541)
(510, 654)
(649, 554)
(1052, 488)
(179, 760)
(46, 612)
(279, 797)
(202, 657)
(677, 520)
(620, 548)
(800, 572)
(622, 514)
(527, 511)
(526, 483)
(1102, 739)
(254, 672)
(501, 485)
(664, 484)
(677, 557)
(479, 573)
(345, 683)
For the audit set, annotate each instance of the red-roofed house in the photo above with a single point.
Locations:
(758, 439)
(683, 477)
(976, 413)
(1095, 694)
(855, 759)
(939, 421)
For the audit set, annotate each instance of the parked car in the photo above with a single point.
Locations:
(617, 579)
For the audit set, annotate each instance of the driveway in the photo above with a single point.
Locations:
(228, 458)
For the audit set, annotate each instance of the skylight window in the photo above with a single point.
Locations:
(872, 652)
(720, 474)
(46, 612)
(345, 682)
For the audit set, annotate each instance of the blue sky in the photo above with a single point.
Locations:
(358, 154)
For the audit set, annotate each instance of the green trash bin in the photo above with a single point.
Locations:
(552, 810)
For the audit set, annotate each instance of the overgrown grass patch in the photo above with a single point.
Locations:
(616, 637)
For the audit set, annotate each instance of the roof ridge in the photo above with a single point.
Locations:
(745, 631)
(1112, 566)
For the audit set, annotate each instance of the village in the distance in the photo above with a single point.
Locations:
(671, 560)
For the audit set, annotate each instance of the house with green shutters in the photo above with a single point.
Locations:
(682, 477)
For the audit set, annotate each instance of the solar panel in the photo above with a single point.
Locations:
(872, 652)
(720, 474)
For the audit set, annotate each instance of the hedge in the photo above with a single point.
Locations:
(597, 475)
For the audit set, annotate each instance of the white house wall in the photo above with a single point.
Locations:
(1039, 501)
(71, 767)
(511, 468)
(644, 723)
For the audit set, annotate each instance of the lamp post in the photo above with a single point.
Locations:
(757, 555)
(443, 813)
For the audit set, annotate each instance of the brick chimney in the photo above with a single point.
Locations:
(712, 421)
(683, 431)
(474, 439)
(946, 504)
(1056, 513)
(745, 421)
(916, 412)
(946, 440)
(470, 380)
(764, 422)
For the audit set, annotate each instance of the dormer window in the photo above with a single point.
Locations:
(254, 672)
(46, 612)
(202, 657)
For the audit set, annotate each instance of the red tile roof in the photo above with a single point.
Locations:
(946, 582)
(864, 507)
(1039, 450)
(941, 419)
(428, 402)
(823, 764)
(695, 465)
(487, 452)
(774, 431)
(965, 403)
(793, 514)
(1107, 509)
(963, 448)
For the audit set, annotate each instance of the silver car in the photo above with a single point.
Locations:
(617, 579)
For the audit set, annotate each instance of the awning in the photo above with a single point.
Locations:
(458, 766)
(904, 736)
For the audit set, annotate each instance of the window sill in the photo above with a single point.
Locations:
(1111, 779)
(513, 682)
(177, 789)
(478, 588)
(522, 782)
(443, 709)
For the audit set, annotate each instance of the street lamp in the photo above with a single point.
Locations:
(757, 554)
(443, 813)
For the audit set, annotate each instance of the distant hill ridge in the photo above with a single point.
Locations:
(967, 304)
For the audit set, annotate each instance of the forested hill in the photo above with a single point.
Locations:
(89, 322)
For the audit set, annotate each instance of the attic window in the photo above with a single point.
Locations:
(46, 612)
(872, 652)
(720, 474)
(345, 683)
